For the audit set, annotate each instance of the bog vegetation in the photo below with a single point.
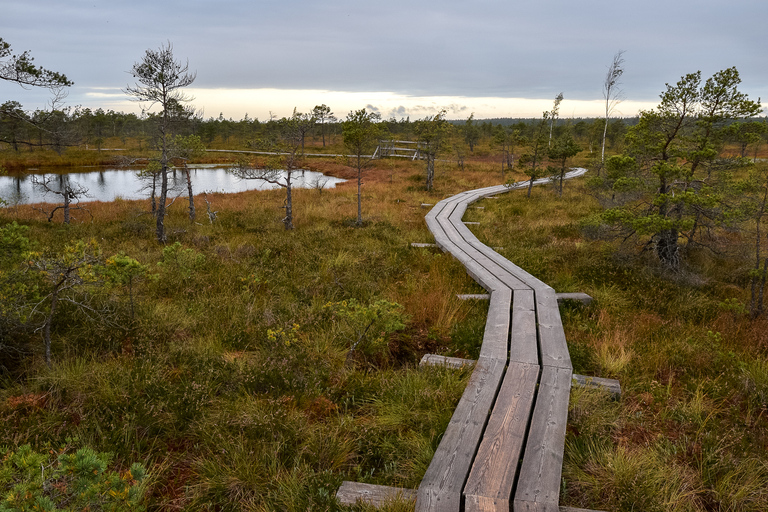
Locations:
(244, 366)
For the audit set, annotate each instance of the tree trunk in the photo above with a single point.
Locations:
(667, 248)
(47, 327)
(359, 192)
(605, 133)
(761, 288)
(430, 171)
(153, 201)
(288, 220)
(67, 200)
(757, 290)
(160, 230)
(191, 195)
(758, 281)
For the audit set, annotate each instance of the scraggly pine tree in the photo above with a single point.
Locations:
(361, 135)
(676, 196)
(160, 78)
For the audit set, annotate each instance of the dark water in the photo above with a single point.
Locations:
(109, 184)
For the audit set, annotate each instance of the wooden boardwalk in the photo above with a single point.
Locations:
(503, 448)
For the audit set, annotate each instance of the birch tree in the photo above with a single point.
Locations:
(185, 149)
(553, 115)
(612, 93)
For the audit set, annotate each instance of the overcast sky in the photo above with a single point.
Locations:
(506, 58)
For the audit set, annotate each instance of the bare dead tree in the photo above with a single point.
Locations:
(70, 193)
(280, 172)
(211, 213)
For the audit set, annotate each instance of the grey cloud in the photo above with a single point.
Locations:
(487, 48)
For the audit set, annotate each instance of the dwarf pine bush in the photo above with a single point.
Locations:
(67, 482)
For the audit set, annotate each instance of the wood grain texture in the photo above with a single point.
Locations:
(538, 487)
(377, 495)
(577, 297)
(530, 330)
(496, 334)
(440, 489)
(450, 362)
(473, 296)
(494, 471)
(523, 342)
(612, 386)
(553, 347)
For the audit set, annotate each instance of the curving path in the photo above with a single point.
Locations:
(516, 403)
(503, 448)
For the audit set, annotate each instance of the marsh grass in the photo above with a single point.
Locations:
(233, 382)
(234, 387)
(689, 432)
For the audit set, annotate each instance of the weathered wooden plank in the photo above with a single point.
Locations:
(538, 487)
(496, 334)
(440, 489)
(482, 270)
(552, 344)
(613, 386)
(492, 260)
(484, 193)
(450, 362)
(523, 343)
(377, 495)
(480, 274)
(350, 493)
(461, 228)
(579, 297)
(492, 478)
(473, 296)
(510, 267)
(469, 255)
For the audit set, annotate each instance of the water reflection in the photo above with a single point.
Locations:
(109, 184)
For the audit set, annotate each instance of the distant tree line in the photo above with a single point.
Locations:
(78, 126)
